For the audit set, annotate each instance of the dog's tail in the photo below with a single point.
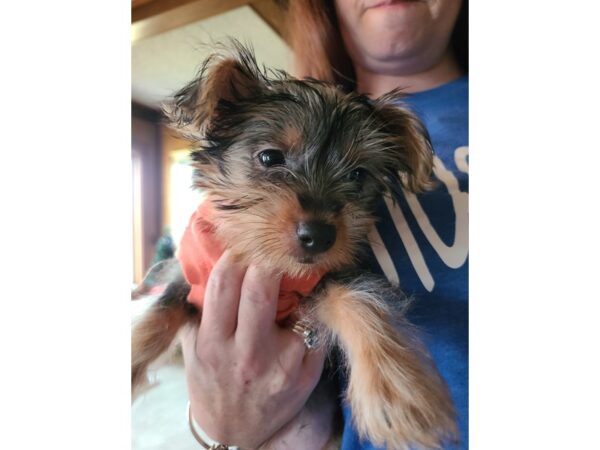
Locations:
(155, 331)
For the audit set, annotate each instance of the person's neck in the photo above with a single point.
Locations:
(376, 84)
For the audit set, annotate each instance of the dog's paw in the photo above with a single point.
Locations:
(398, 399)
(397, 396)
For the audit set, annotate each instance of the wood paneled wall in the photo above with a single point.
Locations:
(147, 187)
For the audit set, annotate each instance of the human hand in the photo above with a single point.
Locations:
(247, 377)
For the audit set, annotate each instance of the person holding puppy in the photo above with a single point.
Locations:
(250, 387)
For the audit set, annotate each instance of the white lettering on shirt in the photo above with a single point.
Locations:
(454, 255)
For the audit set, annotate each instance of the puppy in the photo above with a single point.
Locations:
(293, 170)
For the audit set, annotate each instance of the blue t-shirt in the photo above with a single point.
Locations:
(425, 248)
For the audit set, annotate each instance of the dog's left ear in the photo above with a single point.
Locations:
(408, 147)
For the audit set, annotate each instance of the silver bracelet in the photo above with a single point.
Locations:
(195, 429)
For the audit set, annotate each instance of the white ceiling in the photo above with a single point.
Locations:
(164, 63)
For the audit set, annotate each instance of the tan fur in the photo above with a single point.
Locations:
(151, 337)
(396, 395)
(265, 232)
(291, 137)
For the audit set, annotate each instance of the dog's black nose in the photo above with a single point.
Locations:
(315, 237)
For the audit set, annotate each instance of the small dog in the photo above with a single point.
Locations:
(293, 170)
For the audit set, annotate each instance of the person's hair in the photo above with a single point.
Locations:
(318, 48)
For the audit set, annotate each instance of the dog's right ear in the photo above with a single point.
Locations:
(221, 81)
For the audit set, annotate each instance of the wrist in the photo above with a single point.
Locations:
(202, 438)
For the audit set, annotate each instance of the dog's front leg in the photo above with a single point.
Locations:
(396, 394)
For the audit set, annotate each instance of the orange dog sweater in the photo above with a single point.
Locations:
(199, 251)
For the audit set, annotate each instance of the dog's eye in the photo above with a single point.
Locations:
(269, 158)
(357, 175)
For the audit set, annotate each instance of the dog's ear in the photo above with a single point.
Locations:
(408, 147)
(223, 79)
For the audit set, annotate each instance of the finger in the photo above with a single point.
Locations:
(222, 297)
(258, 306)
(290, 350)
(312, 366)
(188, 339)
(294, 355)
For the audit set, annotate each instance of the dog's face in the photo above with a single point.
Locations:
(294, 168)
